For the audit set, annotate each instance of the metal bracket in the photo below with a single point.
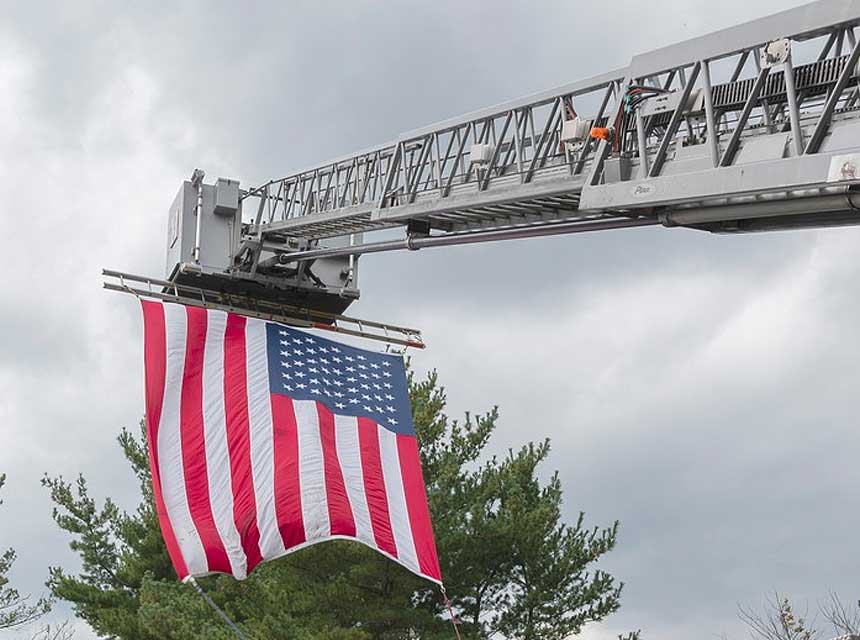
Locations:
(275, 312)
(775, 52)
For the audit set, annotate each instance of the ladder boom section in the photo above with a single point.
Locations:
(766, 110)
(502, 165)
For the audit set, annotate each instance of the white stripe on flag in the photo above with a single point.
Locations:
(215, 435)
(311, 471)
(261, 438)
(170, 467)
(349, 455)
(400, 526)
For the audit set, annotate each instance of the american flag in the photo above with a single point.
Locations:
(264, 439)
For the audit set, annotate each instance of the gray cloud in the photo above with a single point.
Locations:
(699, 388)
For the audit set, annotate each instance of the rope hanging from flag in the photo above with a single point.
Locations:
(265, 439)
(453, 616)
(220, 612)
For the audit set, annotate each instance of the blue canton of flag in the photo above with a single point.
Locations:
(347, 380)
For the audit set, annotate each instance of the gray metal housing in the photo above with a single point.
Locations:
(219, 233)
(328, 284)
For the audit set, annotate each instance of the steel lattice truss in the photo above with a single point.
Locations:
(752, 125)
(428, 174)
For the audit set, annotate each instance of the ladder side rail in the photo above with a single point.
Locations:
(769, 100)
(675, 120)
(611, 89)
(515, 148)
(793, 106)
(731, 148)
(525, 143)
(711, 131)
(799, 23)
(834, 96)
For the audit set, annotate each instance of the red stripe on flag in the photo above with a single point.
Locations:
(340, 515)
(416, 505)
(239, 438)
(194, 445)
(155, 362)
(374, 486)
(288, 493)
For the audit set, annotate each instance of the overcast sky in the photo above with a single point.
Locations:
(701, 389)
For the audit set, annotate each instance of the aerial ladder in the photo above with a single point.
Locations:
(753, 128)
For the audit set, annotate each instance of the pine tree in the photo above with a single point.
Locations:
(512, 567)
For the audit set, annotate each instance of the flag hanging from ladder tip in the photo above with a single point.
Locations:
(264, 439)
